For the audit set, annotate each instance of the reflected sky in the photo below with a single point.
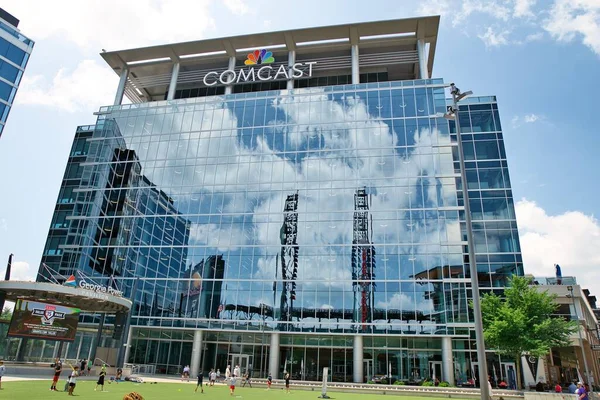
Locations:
(225, 166)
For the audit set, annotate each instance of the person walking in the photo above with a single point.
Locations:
(100, 381)
(199, 384)
(269, 381)
(228, 373)
(212, 377)
(237, 371)
(57, 371)
(247, 380)
(83, 364)
(582, 394)
(232, 383)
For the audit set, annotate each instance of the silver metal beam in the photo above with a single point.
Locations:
(274, 355)
(173, 83)
(196, 353)
(355, 65)
(447, 360)
(423, 72)
(291, 62)
(121, 87)
(229, 88)
(357, 360)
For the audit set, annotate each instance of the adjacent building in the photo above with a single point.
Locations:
(575, 362)
(290, 201)
(15, 50)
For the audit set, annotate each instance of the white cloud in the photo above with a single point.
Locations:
(460, 12)
(84, 88)
(573, 18)
(523, 8)
(114, 24)
(570, 239)
(534, 37)
(238, 7)
(20, 271)
(530, 118)
(566, 21)
(492, 38)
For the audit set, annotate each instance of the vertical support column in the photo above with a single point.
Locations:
(357, 360)
(196, 353)
(355, 65)
(229, 88)
(423, 71)
(96, 343)
(121, 87)
(274, 355)
(173, 83)
(291, 62)
(127, 345)
(447, 360)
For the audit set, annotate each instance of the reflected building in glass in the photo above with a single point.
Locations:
(294, 207)
(15, 50)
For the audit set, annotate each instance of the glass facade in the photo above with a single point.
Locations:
(321, 213)
(15, 50)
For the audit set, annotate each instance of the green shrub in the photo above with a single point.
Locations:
(400, 383)
(384, 381)
(427, 383)
(444, 384)
(370, 382)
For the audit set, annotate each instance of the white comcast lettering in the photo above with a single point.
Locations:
(264, 73)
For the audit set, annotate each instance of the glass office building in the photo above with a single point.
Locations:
(293, 208)
(15, 50)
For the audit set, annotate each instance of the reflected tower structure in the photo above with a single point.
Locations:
(289, 259)
(363, 261)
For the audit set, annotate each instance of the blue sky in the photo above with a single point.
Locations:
(540, 58)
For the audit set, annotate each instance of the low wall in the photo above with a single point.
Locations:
(549, 396)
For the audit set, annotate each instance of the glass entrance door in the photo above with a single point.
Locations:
(241, 360)
(368, 369)
(435, 370)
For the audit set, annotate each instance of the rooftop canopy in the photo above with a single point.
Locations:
(386, 45)
(84, 299)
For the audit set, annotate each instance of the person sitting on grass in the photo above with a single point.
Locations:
(133, 396)
(101, 379)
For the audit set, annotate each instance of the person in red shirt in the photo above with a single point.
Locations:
(558, 388)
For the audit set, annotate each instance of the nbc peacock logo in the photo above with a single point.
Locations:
(260, 57)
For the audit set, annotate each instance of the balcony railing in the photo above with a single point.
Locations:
(565, 280)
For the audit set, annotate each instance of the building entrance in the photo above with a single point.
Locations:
(435, 370)
(241, 360)
(368, 369)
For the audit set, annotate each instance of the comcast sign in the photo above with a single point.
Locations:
(259, 70)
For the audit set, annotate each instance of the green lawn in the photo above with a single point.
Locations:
(32, 390)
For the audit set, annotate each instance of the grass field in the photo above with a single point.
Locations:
(33, 390)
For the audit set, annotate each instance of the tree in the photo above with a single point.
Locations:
(522, 322)
(6, 314)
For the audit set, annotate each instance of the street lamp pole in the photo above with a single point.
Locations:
(585, 363)
(483, 372)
